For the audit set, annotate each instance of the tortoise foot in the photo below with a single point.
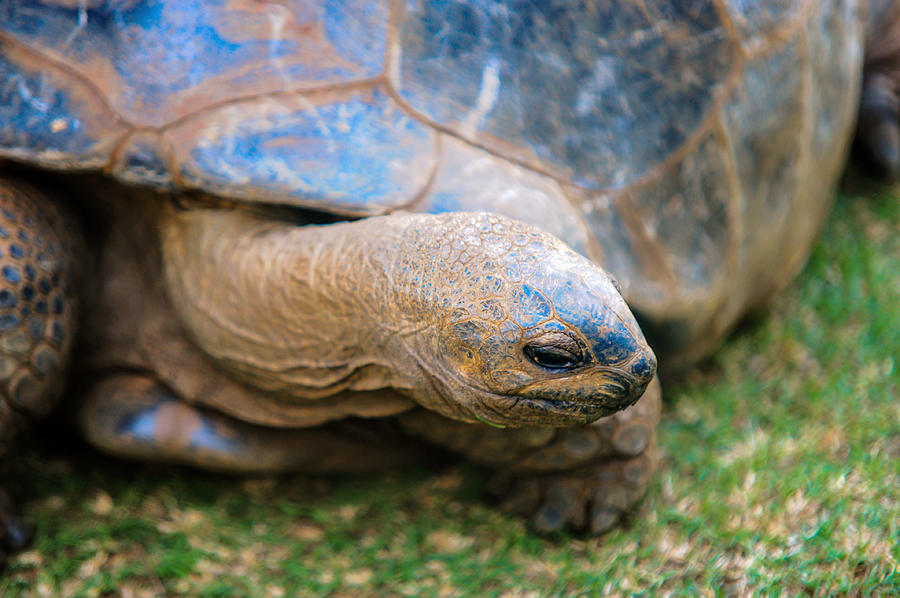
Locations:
(590, 499)
(594, 493)
(581, 478)
(15, 535)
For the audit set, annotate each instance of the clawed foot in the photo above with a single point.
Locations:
(609, 465)
(581, 478)
(590, 499)
(14, 534)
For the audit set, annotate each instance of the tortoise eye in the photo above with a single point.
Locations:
(552, 357)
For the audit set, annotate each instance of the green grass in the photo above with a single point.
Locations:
(781, 476)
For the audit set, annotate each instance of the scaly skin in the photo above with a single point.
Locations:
(438, 308)
(582, 478)
(133, 415)
(39, 254)
(442, 308)
(474, 317)
(38, 257)
(203, 396)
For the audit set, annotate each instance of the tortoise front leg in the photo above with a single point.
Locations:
(134, 416)
(584, 478)
(39, 252)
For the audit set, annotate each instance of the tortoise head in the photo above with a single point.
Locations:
(530, 332)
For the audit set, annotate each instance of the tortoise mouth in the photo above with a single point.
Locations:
(558, 412)
(577, 397)
(604, 387)
(582, 397)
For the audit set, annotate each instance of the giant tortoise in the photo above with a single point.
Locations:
(318, 235)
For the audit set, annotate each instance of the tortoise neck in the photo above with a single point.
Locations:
(305, 311)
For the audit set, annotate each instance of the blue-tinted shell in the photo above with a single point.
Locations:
(689, 146)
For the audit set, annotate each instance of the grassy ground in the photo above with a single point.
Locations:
(782, 476)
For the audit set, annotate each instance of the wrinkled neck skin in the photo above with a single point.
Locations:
(443, 308)
(302, 311)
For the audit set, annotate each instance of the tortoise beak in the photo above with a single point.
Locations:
(641, 370)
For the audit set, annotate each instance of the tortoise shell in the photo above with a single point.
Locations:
(689, 147)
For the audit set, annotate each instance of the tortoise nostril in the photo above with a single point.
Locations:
(643, 367)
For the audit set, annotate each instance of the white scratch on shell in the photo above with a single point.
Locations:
(487, 98)
(277, 17)
(82, 23)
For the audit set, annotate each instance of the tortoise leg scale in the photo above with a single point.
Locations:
(582, 478)
(39, 253)
(135, 416)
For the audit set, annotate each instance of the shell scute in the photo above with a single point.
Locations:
(595, 93)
